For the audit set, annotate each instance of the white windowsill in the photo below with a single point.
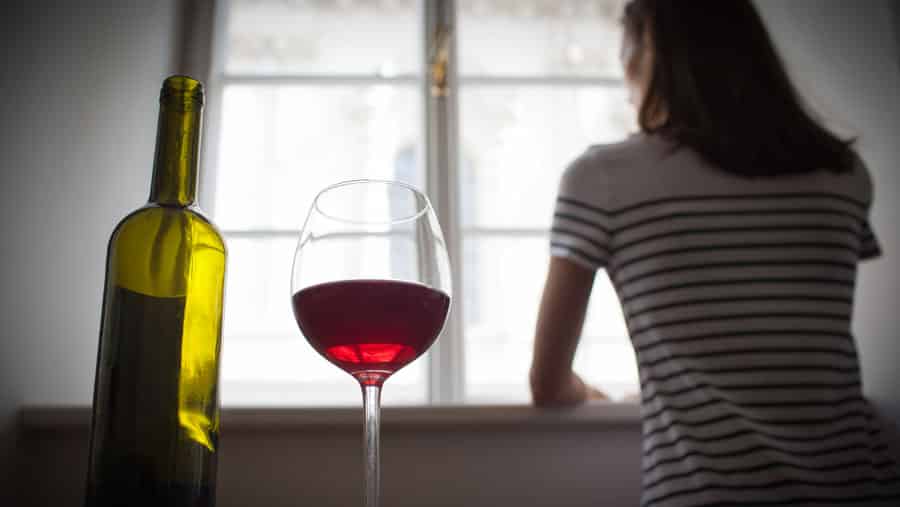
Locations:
(446, 418)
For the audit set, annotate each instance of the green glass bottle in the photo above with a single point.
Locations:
(155, 426)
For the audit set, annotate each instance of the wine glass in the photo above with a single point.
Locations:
(371, 288)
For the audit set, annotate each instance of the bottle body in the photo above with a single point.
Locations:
(156, 412)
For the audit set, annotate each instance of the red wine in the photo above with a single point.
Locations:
(370, 328)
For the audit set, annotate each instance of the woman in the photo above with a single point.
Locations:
(731, 227)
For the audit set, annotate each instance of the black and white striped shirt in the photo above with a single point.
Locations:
(738, 295)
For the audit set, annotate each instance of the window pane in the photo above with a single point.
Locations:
(265, 359)
(503, 279)
(605, 356)
(280, 145)
(377, 37)
(517, 140)
(539, 37)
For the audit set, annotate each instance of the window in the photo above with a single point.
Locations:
(312, 92)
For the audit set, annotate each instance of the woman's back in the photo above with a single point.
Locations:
(738, 295)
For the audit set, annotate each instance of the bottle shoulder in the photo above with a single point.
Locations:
(163, 251)
(208, 226)
(154, 223)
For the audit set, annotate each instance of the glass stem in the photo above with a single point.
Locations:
(372, 407)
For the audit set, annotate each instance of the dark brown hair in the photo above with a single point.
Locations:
(719, 86)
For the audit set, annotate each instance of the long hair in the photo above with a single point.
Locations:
(717, 85)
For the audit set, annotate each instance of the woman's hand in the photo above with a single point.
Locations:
(634, 397)
(572, 391)
(595, 394)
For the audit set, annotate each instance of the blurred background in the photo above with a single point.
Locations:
(317, 92)
(304, 93)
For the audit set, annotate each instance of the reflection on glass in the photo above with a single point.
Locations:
(539, 37)
(297, 139)
(516, 141)
(372, 37)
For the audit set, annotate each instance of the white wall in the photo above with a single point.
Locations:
(77, 124)
(845, 58)
(80, 83)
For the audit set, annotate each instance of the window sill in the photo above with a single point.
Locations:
(448, 418)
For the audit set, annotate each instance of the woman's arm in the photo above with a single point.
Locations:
(560, 319)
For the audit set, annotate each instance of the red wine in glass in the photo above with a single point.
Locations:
(371, 289)
(370, 328)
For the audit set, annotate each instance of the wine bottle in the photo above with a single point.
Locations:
(155, 425)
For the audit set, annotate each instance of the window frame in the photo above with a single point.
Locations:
(438, 142)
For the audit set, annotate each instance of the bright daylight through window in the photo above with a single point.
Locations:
(314, 92)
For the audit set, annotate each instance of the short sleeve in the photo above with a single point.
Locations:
(869, 247)
(581, 222)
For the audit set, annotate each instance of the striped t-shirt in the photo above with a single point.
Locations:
(738, 295)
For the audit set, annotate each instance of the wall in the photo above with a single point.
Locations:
(77, 129)
(845, 58)
(77, 126)
(477, 457)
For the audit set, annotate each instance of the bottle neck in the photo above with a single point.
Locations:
(177, 152)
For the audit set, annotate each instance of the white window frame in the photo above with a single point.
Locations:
(439, 143)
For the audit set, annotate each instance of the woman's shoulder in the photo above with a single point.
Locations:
(649, 167)
(631, 156)
(604, 174)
